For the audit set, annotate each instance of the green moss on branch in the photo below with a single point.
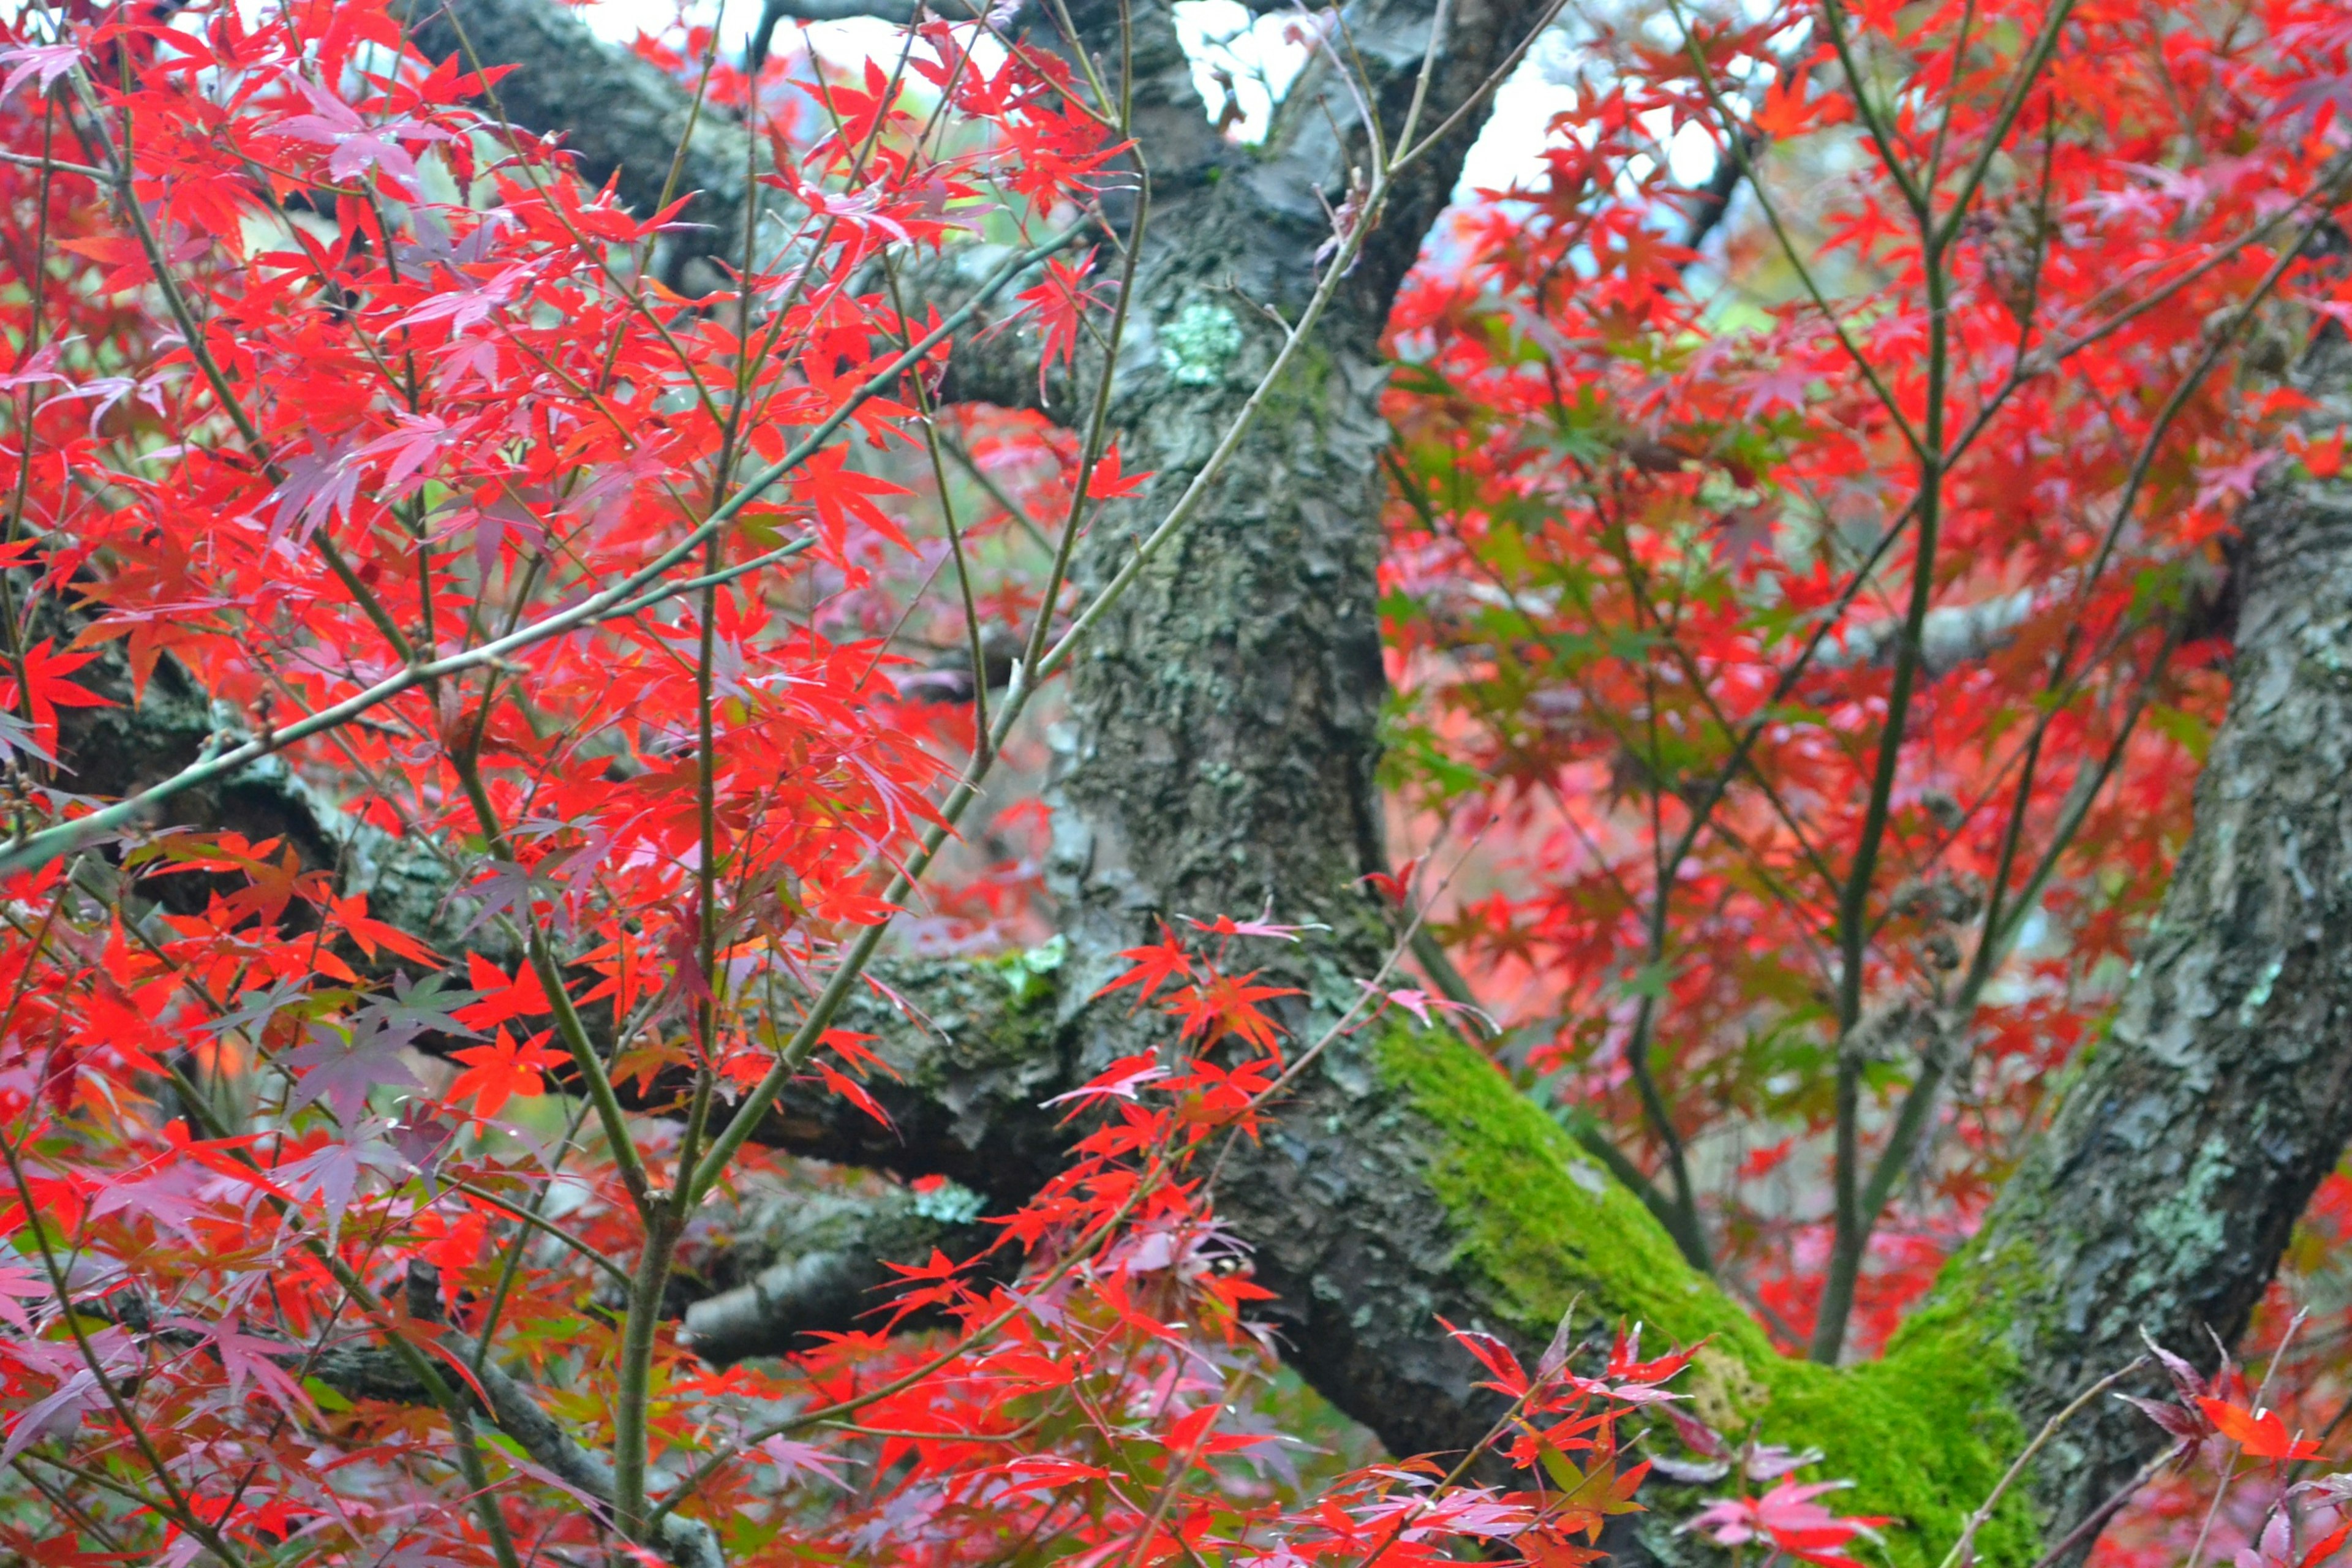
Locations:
(1924, 1433)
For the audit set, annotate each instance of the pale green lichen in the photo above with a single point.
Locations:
(1030, 974)
(1924, 1433)
(948, 1203)
(2258, 995)
(1200, 344)
(2186, 1227)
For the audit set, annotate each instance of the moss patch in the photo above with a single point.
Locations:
(1923, 1434)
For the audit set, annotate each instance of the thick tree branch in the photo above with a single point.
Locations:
(362, 1370)
(797, 1263)
(2182, 1153)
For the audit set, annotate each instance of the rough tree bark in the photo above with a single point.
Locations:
(1225, 735)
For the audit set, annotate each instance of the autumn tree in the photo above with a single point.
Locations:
(471, 485)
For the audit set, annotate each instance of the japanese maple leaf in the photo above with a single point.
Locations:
(1061, 303)
(1121, 1080)
(2259, 1433)
(797, 1461)
(503, 1070)
(2184, 1416)
(1789, 1518)
(415, 1007)
(1108, 482)
(503, 999)
(839, 493)
(45, 690)
(1225, 925)
(419, 439)
(358, 146)
(330, 1174)
(16, 736)
(1510, 1378)
(859, 113)
(318, 484)
(1394, 886)
(55, 1414)
(18, 1282)
(1227, 1005)
(350, 914)
(342, 1068)
(244, 1357)
(1155, 966)
(1786, 112)
(1543, 1550)
(45, 61)
(1778, 386)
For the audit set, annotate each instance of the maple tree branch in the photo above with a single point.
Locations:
(801, 1264)
(1873, 118)
(1738, 143)
(376, 1371)
(2021, 87)
(1851, 1228)
(621, 598)
(2002, 927)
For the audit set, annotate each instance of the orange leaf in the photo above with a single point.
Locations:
(2258, 1433)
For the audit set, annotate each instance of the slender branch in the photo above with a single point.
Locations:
(1738, 142)
(40, 848)
(2049, 1428)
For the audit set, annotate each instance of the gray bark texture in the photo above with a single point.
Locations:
(1224, 740)
(2184, 1150)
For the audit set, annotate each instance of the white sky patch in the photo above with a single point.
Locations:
(845, 43)
(1259, 57)
(1258, 54)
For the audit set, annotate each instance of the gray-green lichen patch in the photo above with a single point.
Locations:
(1030, 974)
(1199, 345)
(948, 1203)
(2186, 1225)
(2258, 995)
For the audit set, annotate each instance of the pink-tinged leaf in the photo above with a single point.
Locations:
(47, 62)
(1790, 1520)
(1770, 1461)
(2179, 1421)
(803, 1461)
(1225, 925)
(19, 1282)
(56, 1414)
(1123, 1080)
(1696, 1434)
(244, 1357)
(1510, 1377)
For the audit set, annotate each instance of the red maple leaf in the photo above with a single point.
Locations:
(839, 492)
(2260, 1433)
(1157, 966)
(44, 688)
(501, 1070)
